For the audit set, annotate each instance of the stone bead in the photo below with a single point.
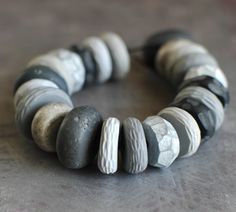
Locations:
(119, 54)
(157, 40)
(207, 70)
(32, 101)
(108, 149)
(162, 140)
(78, 137)
(207, 98)
(135, 156)
(186, 127)
(101, 56)
(46, 123)
(41, 72)
(67, 64)
(210, 84)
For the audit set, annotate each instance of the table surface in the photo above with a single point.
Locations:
(31, 180)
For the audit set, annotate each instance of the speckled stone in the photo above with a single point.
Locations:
(119, 54)
(40, 72)
(108, 149)
(78, 137)
(186, 127)
(135, 154)
(35, 99)
(162, 140)
(46, 123)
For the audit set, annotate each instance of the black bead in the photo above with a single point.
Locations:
(203, 115)
(41, 72)
(155, 41)
(210, 84)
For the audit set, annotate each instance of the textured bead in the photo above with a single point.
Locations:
(108, 149)
(101, 56)
(119, 54)
(135, 154)
(207, 98)
(186, 127)
(46, 123)
(41, 72)
(67, 64)
(78, 137)
(29, 104)
(162, 140)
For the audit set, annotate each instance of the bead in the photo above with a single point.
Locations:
(101, 56)
(29, 104)
(210, 84)
(41, 72)
(186, 128)
(162, 140)
(207, 98)
(108, 149)
(78, 137)
(46, 123)
(119, 54)
(135, 148)
(67, 64)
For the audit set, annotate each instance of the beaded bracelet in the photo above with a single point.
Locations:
(44, 110)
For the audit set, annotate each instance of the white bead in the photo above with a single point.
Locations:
(108, 149)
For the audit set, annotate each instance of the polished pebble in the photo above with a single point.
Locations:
(162, 140)
(108, 149)
(78, 137)
(135, 154)
(46, 123)
(186, 127)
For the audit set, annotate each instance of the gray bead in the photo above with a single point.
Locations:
(135, 148)
(163, 141)
(78, 137)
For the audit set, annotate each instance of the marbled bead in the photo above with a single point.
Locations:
(46, 123)
(135, 155)
(78, 137)
(162, 140)
(108, 149)
(186, 127)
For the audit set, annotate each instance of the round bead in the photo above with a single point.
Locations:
(78, 137)
(67, 64)
(29, 104)
(135, 148)
(46, 123)
(207, 98)
(101, 56)
(162, 140)
(186, 127)
(119, 54)
(108, 149)
(41, 72)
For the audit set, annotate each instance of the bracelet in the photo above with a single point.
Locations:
(44, 111)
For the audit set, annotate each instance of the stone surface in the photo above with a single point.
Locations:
(186, 127)
(46, 123)
(108, 148)
(162, 140)
(135, 153)
(78, 137)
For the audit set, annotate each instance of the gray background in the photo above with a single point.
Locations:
(31, 180)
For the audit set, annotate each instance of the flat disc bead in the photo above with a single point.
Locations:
(186, 127)
(46, 123)
(135, 155)
(162, 140)
(78, 137)
(108, 149)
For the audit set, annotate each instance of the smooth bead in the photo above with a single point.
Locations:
(108, 149)
(78, 137)
(162, 140)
